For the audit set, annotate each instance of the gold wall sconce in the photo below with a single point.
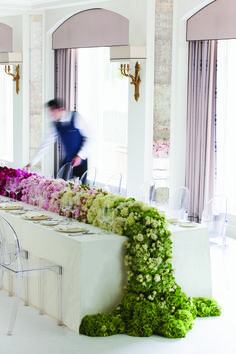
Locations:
(16, 76)
(135, 80)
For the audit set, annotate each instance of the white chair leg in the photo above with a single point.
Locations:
(10, 279)
(27, 291)
(19, 280)
(41, 292)
(1, 278)
(59, 291)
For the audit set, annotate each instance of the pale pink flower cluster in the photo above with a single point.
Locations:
(38, 190)
(161, 147)
(83, 201)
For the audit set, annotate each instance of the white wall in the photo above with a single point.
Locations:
(16, 23)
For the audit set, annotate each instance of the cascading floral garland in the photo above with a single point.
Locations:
(153, 303)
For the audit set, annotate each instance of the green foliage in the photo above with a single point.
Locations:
(153, 303)
(206, 307)
(102, 325)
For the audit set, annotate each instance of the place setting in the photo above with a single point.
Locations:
(10, 206)
(181, 223)
(188, 224)
(36, 216)
(72, 230)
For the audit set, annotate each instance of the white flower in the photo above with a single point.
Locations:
(153, 236)
(157, 278)
(140, 237)
(130, 220)
(125, 212)
(140, 278)
(145, 247)
(158, 260)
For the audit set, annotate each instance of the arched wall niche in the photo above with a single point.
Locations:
(5, 38)
(92, 28)
(214, 21)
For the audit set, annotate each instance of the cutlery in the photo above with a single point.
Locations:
(81, 233)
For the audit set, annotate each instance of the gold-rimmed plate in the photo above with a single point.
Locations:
(69, 228)
(35, 216)
(10, 206)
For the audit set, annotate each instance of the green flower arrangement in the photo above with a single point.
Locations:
(153, 303)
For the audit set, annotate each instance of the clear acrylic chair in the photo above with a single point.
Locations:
(161, 198)
(147, 193)
(65, 172)
(114, 184)
(214, 216)
(178, 203)
(89, 177)
(14, 261)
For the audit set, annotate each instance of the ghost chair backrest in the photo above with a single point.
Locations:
(65, 172)
(178, 203)
(161, 198)
(89, 177)
(114, 184)
(214, 216)
(146, 192)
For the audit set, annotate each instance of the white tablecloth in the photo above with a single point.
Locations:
(93, 266)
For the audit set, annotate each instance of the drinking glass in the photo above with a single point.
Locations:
(66, 208)
(8, 188)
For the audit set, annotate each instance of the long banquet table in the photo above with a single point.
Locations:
(93, 268)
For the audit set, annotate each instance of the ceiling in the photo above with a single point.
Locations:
(13, 6)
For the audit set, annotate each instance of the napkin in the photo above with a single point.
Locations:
(35, 216)
(70, 228)
(10, 206)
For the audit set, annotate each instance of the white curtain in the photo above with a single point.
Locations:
(200, 154)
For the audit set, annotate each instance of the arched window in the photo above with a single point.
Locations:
(87, 81)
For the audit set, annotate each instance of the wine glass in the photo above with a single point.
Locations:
(15, 189)
(8, 187)
(66, 208)
(107, 215)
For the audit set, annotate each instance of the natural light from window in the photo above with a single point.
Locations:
(226, 123)
(103, 101)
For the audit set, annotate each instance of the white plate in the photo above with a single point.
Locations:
(49, 223)
(188, 224)
(69, 228)
(17, 212)
(35, 216)
(172, 220)
(8, 206)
